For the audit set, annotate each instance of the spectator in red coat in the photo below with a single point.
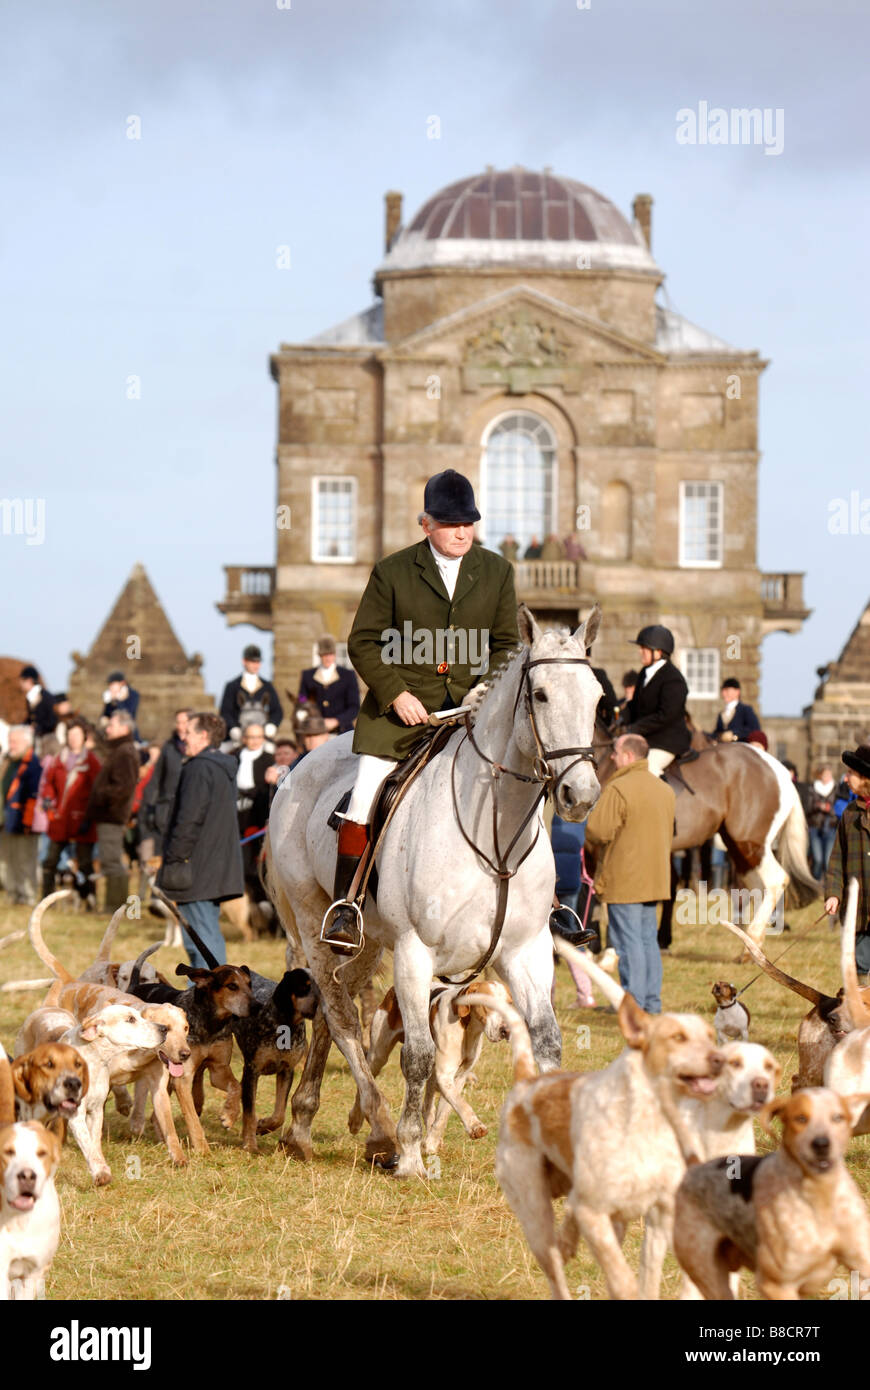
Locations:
(67, 789)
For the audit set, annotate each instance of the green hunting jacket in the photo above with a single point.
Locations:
(399, 639)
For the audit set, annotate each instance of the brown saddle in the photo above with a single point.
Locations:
(674, 769)
(393, 788)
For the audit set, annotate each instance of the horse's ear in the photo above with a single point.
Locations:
(529, 630)
(588, 631)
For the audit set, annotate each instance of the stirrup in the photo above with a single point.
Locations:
(348, 948)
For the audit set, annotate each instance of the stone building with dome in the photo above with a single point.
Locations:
(516, 336)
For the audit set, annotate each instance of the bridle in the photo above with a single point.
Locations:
(542, 774)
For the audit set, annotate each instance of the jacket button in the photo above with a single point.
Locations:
(442, 668)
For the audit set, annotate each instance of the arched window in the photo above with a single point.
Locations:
(518, 480)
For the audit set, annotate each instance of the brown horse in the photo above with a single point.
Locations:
(749, 798)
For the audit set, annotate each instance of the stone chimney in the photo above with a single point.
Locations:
(394, 217)
(642, 210)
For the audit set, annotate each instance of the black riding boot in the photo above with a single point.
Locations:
(344, 932)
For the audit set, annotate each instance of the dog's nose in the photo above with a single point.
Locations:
(760, 1088)
(72, 1085)
(26, 1178)
(183, 1056)
(821, 1144)
(717, 1062)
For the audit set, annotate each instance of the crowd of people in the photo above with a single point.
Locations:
(86, 801)
(551, 548)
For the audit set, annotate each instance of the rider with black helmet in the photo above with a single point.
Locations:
(658, 707)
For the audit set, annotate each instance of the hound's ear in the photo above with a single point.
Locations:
(90, 1029)
(21, 1078)
(773, 1110)
(588, 631)
(462, 1010)
(633, 1021)
(528, 628)
(245, 971)
(193, 972)
(855, 1106)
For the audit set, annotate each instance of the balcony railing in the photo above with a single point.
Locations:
(248, 598)
(555, 576)
(782, 597)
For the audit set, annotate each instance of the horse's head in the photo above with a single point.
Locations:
(556, 712)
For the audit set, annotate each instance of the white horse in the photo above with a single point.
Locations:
(437, 893)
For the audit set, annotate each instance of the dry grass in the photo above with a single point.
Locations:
(234, 1226)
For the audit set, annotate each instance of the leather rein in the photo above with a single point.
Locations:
(542, 774)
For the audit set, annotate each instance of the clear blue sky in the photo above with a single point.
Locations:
(263, 127)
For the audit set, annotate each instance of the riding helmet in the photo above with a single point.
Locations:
(449, 499)
(656, 637)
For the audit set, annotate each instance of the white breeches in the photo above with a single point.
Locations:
(657, 760)
(369, 776)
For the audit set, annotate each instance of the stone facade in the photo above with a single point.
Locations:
(137, 638)
(516, 292)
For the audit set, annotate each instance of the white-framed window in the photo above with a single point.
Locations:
(701, 518)
(341, 656)
(333, 520)
(518, 480)
(701, 669)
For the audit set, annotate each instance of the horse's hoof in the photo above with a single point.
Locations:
(388, 1163)
(294, 1149)
(478, 1131)
(381, 1151)
(267, 1126)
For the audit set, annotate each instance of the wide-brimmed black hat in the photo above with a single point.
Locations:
(252, 653)
(449, 498)
(657, 638)
(859, 761)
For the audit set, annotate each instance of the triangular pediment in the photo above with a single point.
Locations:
(853, 663)
(521, 326)
(138, 631)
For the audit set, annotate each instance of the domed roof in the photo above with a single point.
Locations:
(519, 216)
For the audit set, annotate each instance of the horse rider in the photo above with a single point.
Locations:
(434, 619)
(250, 692)
(657, 709)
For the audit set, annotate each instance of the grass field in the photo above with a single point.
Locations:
(235, 1226)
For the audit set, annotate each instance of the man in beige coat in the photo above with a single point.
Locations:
(631, 827)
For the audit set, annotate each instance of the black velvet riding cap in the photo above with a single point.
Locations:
(449, 499)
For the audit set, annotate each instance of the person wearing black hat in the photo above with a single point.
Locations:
(119, 695)
(736, 720)
(40, 704)
(657, 710)
(249, 699)
(850, 855)
(434, 620)
(331, 689)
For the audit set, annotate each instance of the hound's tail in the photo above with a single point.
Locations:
(792, 854)
(521, 1043)
(105, 950)
(34, 927)
(815, 996)
(609, 988)
(854, 998)
(136, 972)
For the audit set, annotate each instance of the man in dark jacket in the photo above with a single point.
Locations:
(119, 695)
(657, 710)
(434, 620)
(202, 860)
(250, 700)
(736, 720)
(40, 704)
(160, 792)
(110, 802)
(332, 689)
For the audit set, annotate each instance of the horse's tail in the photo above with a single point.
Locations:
(279, 900)
(858, 1010)
(609, 988)
(521, 1043)
(105, 950)
(793, 855)
(34, 927)
(815, 996)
